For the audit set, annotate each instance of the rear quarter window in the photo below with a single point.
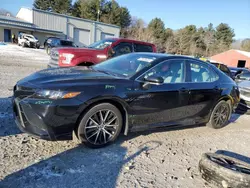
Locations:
(224, 69)
(143, 48)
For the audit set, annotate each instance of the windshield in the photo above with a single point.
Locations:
(67, 43)
(102, 44)
(126, 65)
(29, 36)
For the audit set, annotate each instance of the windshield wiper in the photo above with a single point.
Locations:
(107, 72)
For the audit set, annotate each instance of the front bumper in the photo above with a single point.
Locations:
(45, 120)
(53, 63)
(33, 44)
(30, 122)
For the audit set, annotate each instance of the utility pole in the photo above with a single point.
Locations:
(98, 14)
(98, 11)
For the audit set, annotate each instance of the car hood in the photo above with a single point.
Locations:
(61, 78)
(79, 50)
(244, 84)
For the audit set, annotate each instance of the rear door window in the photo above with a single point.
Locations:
(142, 48)
(200, 72)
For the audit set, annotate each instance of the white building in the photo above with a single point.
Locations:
(43, 24)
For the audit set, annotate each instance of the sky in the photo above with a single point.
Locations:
(179, 13)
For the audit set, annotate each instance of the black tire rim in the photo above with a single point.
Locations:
(221, 114)
(230, 164)
(101, 127)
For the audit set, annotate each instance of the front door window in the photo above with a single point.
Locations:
(171, 71)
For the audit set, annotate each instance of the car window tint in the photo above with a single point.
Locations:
(224, 69)
(202, 73)
(143, 48)
(245, 75)
(171, 71)
(55, 42)
(66, 43)
(49, 41)
(122, 48)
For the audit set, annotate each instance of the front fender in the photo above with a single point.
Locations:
(112, 100)
(82, 59)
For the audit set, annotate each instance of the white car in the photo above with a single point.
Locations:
(27, 40)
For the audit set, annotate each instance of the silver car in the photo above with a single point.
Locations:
(244, 105)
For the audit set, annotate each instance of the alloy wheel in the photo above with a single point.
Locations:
(221, 115)
(101, 127)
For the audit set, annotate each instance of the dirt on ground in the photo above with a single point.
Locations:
(144, 159)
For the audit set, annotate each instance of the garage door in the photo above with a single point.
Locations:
(81, 37)
(106, 35)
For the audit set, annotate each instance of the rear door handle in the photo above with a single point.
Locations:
(184, 90)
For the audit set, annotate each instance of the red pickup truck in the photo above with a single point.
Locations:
(96, 52)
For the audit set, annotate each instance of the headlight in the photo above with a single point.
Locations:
(56, 94)
(65, 58)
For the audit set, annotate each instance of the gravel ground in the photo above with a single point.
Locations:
(145, 159)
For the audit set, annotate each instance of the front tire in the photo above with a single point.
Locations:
(100, 126)
(220, 115)
(48, 50)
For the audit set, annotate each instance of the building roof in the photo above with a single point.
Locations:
(243, 53)
(7, 19)
(68, 16)
(19, 23)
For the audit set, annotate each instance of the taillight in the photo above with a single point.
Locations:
(65, 59)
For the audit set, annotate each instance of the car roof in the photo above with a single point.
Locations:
(170, 56)
(238, 68)
(132, 40)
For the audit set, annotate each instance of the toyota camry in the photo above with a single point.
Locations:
(128, 93)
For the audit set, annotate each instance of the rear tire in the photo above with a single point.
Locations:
(220, 115)
(100, 125)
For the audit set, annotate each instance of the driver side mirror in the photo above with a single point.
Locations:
(154, 79)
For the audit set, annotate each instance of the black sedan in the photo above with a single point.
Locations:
(132, 92)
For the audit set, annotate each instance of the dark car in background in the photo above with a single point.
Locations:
(240, 74)
(224, 68)
(52, 42)
(131, 92)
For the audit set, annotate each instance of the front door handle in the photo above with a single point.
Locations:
(184, 90)
(216, 88)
